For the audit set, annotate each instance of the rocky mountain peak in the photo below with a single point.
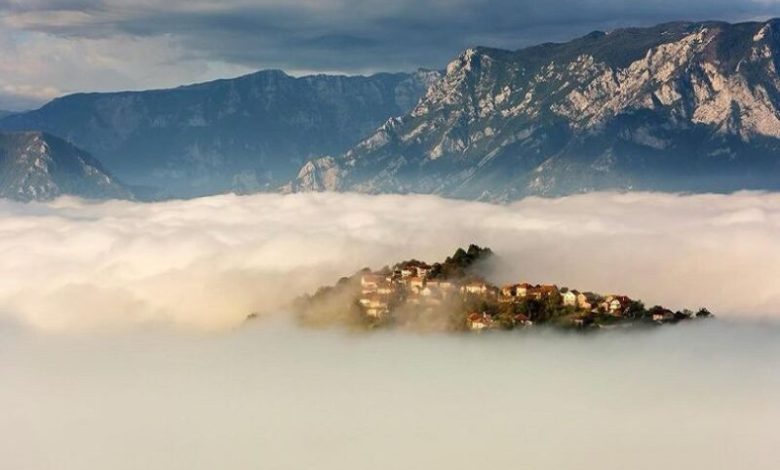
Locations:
(587, 114)
(38, 166)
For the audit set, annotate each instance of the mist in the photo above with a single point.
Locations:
(205, 264)
(698, 396)
(123, 343)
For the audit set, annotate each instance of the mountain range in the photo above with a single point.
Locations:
(247, 134)
(675, 107)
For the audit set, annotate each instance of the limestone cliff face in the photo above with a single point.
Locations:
(680, 106)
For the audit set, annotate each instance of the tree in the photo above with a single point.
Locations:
(506, 316)
(703, 313)
(635, 310)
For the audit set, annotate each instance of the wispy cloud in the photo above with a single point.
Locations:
(195, 40)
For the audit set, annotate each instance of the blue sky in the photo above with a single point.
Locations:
(54, 47)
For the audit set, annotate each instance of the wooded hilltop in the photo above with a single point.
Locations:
(453, 295)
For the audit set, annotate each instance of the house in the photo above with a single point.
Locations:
(662, 314)
(441, 288)
(570, 298)
(547, 290)
(374, 305)
(522, 290)
(587, 300)
(479, 321)
(370, 281)
(426, 291)
(540, 292)
(616, 304)
(508, 290)
(423, 271)
(408, 272)
(446, 286)
(474, 288)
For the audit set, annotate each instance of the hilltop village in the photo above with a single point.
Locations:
(453, 296)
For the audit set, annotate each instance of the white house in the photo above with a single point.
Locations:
(618, 304)
(508, 291)
(476, 288)
(370, 281)
(570, 298)
(522, 290)
(479, 321)
(375, 305)
(587, 300)
(423, 271)
(663, 315)
(408, 272)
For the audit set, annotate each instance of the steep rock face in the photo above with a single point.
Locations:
(37, 167)
(250, 133)
(680, 106)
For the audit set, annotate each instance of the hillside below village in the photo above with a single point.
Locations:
(454, 296)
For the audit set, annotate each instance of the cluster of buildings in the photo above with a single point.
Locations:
(411, 284)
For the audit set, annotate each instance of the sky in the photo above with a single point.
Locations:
(53, 47)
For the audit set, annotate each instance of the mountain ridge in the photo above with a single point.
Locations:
(35, 166)
(680, 106)
(243, 134)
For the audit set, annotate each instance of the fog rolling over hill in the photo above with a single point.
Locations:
(679, 106)
(248, 134)
(38, 166)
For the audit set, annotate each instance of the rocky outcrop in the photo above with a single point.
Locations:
(38, 167)
(680, 106)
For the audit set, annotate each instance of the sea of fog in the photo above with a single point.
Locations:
(122, 342)
(698, 396)
(205, 264)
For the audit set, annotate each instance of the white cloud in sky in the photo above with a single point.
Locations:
(207, 263)
(38, 66)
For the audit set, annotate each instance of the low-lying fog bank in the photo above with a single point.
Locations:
(702, 396)
(141, 380)
(207, 263)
